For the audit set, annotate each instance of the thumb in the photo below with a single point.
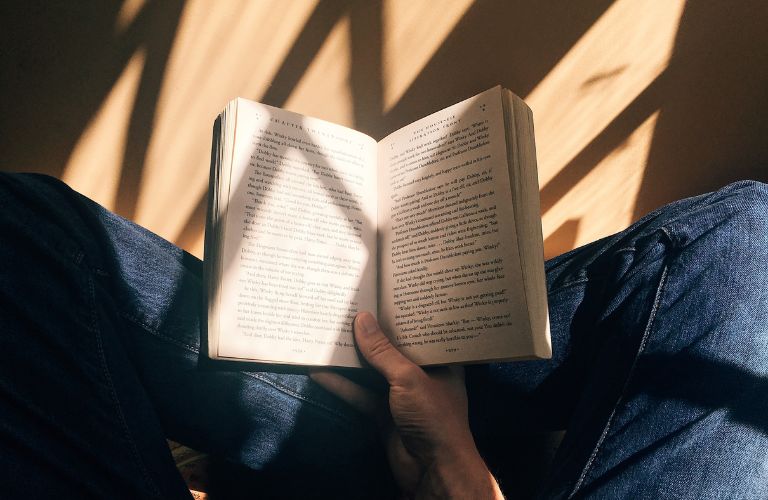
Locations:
(379, 351)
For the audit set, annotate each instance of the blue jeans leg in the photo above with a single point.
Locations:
(660, 369)
(99, 360)
(73, 417)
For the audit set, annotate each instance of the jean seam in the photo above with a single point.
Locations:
(620, 399)
(569, 284)
(276, 385)
(113, 393)
(297, 395)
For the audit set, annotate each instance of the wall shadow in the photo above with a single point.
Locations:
(713, 103)
(708, 390)
(713, 123)
(532, 38)
(157, 35)
(515, 44)
(59, 62)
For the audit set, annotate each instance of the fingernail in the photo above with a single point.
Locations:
(367, 322)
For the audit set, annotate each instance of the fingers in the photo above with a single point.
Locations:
(353, 394)
(380, 353)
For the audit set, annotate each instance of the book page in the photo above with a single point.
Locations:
(300, 244)
(450, 281)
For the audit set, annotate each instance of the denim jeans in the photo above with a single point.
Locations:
(659, 373)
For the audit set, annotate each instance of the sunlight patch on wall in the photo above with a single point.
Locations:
(128, 12)
(606, 69)
(605, 198)
(222, 50)
(95, 164)
(413, 32)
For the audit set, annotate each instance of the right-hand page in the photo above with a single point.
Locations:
(450, 279)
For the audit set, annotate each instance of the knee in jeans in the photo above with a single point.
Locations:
(750, 196)
(749, 186)
(741, 259)
(724, 257)
(746, 224)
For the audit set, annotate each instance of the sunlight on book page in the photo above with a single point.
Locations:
(300, 243)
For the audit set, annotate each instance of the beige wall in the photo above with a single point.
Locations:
(636, 102)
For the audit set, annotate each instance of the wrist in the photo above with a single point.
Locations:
(459, 475)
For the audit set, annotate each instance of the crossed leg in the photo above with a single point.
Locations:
(659, 375)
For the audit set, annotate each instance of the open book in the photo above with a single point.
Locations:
(435, 229)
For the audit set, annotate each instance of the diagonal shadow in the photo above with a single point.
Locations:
(304, 49)
(366, 78)
(58, 63)
(61, 76)
(607, 141)
(532, 36)
(713, 112)
(463, 65)
(366, 81)
(706, 387)
(156, 27)
(713, 116)
(711, 385)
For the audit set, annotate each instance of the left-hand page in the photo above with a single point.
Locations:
(299, 245)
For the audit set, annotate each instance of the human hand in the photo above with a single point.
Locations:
(425, 425)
